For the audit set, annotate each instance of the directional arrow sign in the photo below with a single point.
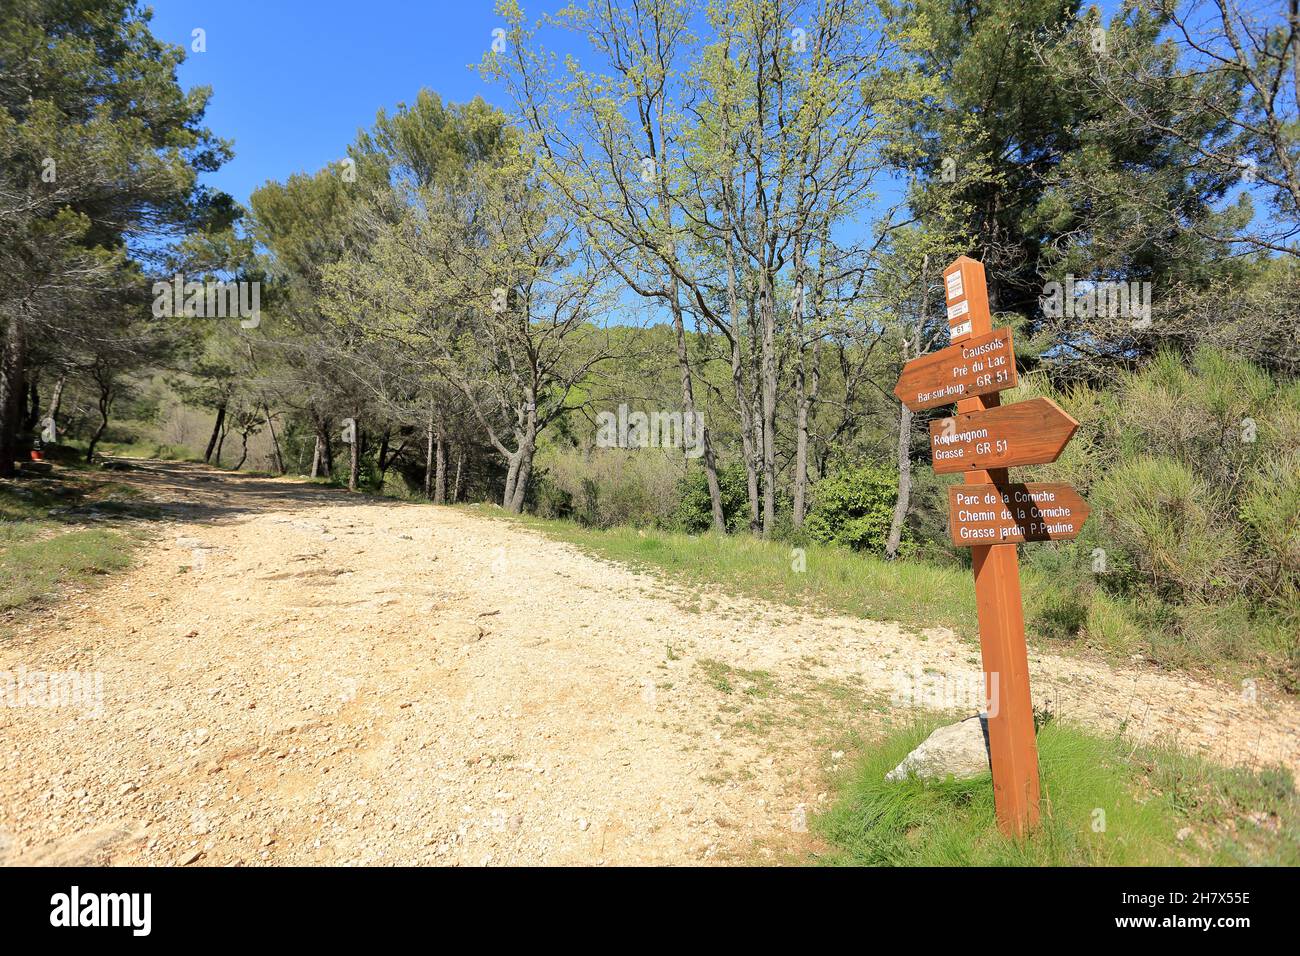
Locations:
(1007, 514)
(978, 366)
(1026, 433)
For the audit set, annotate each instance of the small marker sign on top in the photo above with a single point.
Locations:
(967, 296)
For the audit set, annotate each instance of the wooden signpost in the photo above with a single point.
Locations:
(990, 515)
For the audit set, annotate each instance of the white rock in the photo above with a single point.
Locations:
(957, 750)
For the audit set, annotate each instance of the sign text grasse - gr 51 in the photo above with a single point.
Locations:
(1026, 433)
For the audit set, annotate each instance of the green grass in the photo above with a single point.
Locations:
(835, 579)
(35, 569)
(40, 552)
(139, 448)
(1104, 803)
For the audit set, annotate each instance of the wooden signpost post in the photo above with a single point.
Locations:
(990, 515)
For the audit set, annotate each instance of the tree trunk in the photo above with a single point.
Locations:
(275, 442)
(12, 363)
(105, 400)
(523, 471)
(440, 468)
(801, 443)
(56, 400)
(354, 459)
(521, 480)
(316, 456)
(326, 446)
(802, 400)
(33, 405)
(904, 500)
(216, 434)
(689, 409)
(383, 458)
(455, 485)
(428, 459)
(221, 441)
(508, 495)
(808, 381)
(768, 315)
(738, 385)
(243, 456)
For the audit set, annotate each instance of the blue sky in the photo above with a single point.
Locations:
(293, 80)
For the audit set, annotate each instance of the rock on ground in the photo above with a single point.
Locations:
(958, 750)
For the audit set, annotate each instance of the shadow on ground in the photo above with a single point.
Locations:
(171, 491)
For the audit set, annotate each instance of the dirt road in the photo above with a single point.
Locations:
(294, 675)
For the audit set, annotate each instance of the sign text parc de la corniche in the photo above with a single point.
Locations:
(991, 515)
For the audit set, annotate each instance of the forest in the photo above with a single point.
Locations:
(728, 220)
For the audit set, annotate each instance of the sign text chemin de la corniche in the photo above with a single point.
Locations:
(1009, 514)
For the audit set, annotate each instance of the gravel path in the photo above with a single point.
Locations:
(294, 675)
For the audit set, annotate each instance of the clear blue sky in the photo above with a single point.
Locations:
(293, 80)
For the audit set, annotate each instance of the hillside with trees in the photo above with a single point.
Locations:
(737, 214)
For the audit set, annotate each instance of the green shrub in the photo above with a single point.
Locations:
(854, 507)
(1172, 525)
(549, 500)
(1111, 625)
(607, 487)
(1271, 510)
(694, 511)
(1060, 615)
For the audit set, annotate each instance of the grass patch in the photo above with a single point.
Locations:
(43, 546)
(137, 448)
(835, 578)
(34, 569)
(725, 678)
(1105, 803)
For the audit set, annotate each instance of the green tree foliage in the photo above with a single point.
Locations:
(853, 507)
(98, 145)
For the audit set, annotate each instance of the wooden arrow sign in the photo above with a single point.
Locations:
(1009, 514)
(978, 366)
(1026, 433)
